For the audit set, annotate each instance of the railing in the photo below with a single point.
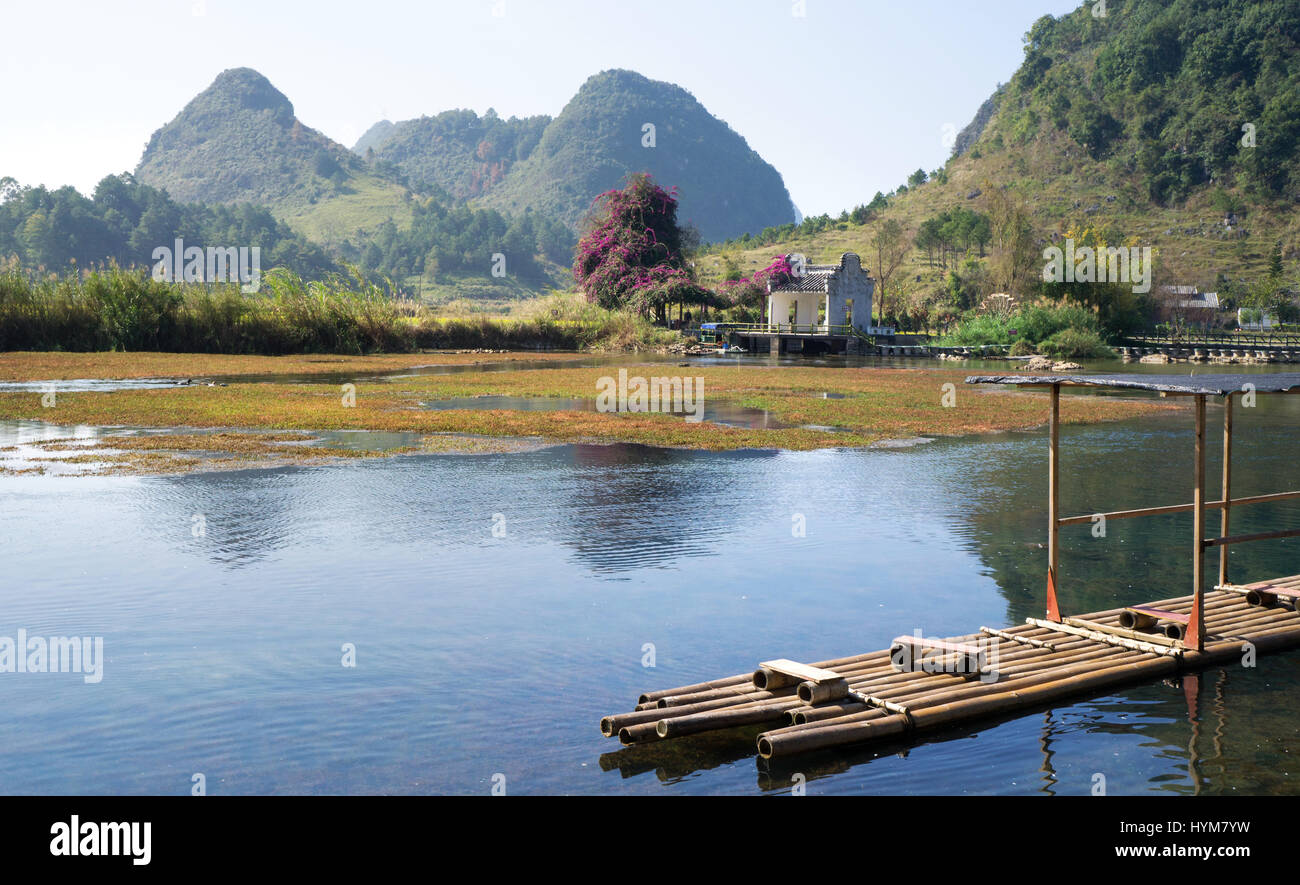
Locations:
(793, 329)
(1217, 339)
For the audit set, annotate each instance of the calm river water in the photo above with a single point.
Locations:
(480, 654)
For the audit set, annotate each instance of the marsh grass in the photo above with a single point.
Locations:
(127, 310)
(877, 404)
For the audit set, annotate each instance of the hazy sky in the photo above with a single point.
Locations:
(844, 100)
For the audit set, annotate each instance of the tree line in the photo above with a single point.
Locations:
(123, 221)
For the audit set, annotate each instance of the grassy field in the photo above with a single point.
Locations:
(875, 404)
(369, 202)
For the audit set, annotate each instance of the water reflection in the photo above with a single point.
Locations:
(225, 647)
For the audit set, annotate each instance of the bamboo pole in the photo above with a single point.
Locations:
(1244, 539)
(611, 725)
(806, 715)
(1196, 626)
(1264, 618)
(1011, 637)
(1225, 512)
(1112, 639)
(638, 734)
(1169, 509)
(901, 683)
(1054, 504)
(1136, 621)
(719, 719)
(652, 696)
(1248, 613)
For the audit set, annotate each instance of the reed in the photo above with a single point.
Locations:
(116, 309)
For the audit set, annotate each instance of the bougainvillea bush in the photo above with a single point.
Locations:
(631, 254)
(751, 292)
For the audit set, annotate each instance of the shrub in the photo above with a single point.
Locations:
(1033, 324)
(1076, 344)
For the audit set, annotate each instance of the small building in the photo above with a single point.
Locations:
(823, 298)
(1189, 298)
(1188, 304)
(1255, 320)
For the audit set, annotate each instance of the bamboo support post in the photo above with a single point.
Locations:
(1196, 625)
(1225, 511)
(1054, 505)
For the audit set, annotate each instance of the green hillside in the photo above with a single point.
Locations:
(459, 152)
(1131, 125)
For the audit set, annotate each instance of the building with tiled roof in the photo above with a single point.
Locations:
(822, 296)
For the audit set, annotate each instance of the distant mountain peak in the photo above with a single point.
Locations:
(239, 141)
(250, 90)
(621, 122)
(374, 137)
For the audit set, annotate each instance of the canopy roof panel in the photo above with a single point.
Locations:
(1212, 385)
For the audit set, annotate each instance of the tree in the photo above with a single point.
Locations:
(1014, 263)
(37, 239)
(631, 254)
(9, 188)
(891, 244)
(1270, 292)
(1275, 262)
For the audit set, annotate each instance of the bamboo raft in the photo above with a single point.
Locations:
(920, 684)
(1037, 662)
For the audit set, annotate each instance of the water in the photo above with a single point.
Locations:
(478, 655)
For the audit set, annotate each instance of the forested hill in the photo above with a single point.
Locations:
(1178, 94)
(620, 123)
(459, 152)
(1168, 123)
(239, 141)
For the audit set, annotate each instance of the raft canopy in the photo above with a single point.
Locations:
(1184, 385)
(1189, 630)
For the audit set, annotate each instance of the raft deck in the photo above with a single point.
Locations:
(914, 686)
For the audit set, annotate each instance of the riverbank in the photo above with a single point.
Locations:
(808, 407)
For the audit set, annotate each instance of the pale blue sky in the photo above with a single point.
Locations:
(843, 101)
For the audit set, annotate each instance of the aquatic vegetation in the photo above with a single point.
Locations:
(871, 405)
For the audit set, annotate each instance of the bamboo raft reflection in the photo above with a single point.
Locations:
(919, 684)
